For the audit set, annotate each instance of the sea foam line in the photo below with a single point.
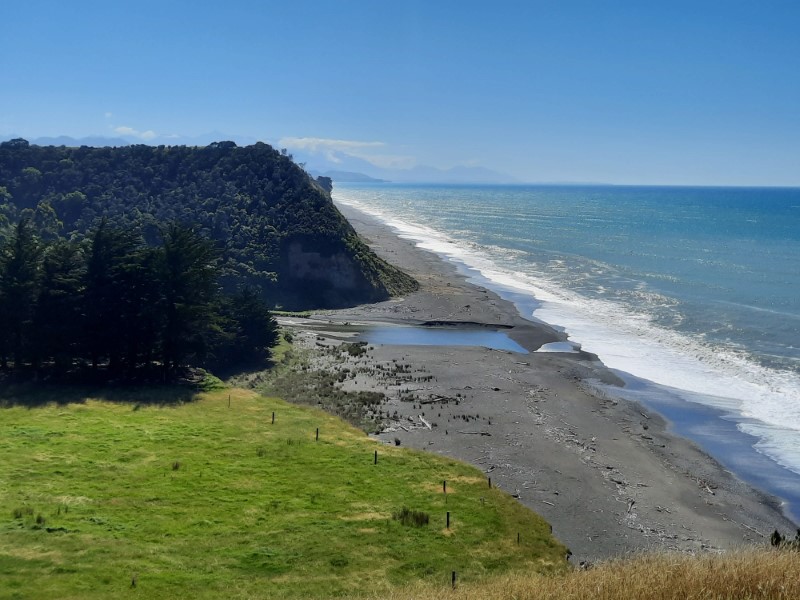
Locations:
(632, 343)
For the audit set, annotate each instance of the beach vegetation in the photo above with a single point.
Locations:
(778, 540)
(747, 574)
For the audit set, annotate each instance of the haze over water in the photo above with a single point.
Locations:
(693, 289)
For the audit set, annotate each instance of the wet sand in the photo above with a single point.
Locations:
(606, 473)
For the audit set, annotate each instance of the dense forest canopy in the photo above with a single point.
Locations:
(114, 307)
(139, 261)
(276, 229)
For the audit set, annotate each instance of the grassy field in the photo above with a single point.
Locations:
(207, 498)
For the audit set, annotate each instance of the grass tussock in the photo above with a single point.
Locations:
(742, 575)
(415, 518)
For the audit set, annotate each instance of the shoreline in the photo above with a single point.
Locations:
(606, 473)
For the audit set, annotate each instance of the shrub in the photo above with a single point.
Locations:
(415, 518)
(356, 349)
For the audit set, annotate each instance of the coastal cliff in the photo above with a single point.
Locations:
(275, 227)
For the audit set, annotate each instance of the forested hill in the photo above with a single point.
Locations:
(275, 227)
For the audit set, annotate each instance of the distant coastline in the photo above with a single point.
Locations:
(607, 474)
(738, 448)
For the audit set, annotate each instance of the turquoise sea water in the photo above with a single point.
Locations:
(691, 294)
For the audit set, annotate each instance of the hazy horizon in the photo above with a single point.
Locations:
(690, 93)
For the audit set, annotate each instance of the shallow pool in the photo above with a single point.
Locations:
(441, 336)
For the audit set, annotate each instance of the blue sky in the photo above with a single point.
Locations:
(701, 92)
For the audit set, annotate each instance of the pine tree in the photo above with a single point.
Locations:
(57, 319)
(20, 273)
(189, 287)
(112, 265)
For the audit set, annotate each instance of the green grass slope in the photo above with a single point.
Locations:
(205, 500)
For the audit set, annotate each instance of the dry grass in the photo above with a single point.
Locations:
(743, 575)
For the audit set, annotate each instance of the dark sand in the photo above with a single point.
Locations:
(604, 472)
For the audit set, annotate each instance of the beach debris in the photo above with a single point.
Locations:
(437, 398)
(631, 504)
(548, 503)
(485, 433)
(424, 422)
(705, 485)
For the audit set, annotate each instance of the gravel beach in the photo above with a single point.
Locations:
(607, 474)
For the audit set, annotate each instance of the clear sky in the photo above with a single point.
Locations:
(661, 92)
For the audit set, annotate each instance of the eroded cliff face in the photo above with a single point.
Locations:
(336, 270)
(318, 275)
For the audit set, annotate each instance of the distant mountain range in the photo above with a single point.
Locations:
(345, 168)
(338, 166)
(94, 141)
(347, 176)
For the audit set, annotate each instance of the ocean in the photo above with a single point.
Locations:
(691, 295)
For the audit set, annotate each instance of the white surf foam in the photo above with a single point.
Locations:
(767, 401)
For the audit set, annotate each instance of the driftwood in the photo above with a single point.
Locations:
(746, 526)
(424, 422)
(438, 398)
(486, 433)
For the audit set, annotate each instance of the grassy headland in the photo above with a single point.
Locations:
(208, 498)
